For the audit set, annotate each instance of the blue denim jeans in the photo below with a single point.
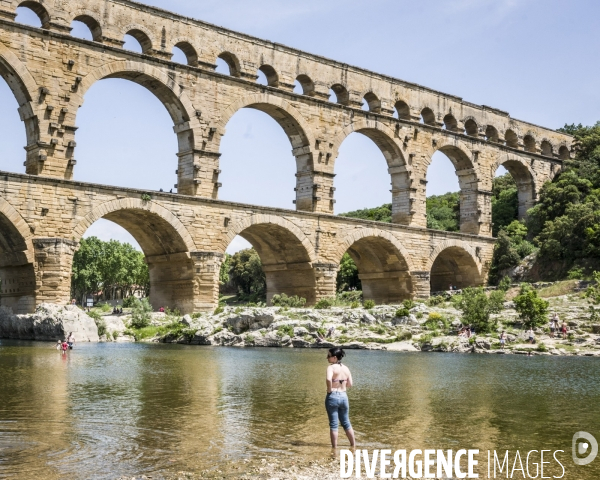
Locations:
(338, 408)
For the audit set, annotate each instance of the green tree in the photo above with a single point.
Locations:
(246, 273)
(532, 309)
(378, 214)
(505, 202)
(443, 212)
(108, 266)
(224, 271)
(477, 306)
(347, 276)
(140, 313)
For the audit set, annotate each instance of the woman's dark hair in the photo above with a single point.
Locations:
(337, 352)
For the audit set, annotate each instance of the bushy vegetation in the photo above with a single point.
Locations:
(368, 304)
(347, 276)
(510, 249)
(324, 303)
(108, 267)
(140, 313)
(443, 212)
(477, 307)
(532, 309)
(292, 302)
(378, 214)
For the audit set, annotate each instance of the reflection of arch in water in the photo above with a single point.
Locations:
(165, 241)
(383, 265)
(286, 254)
(454, 263)
(17, 274)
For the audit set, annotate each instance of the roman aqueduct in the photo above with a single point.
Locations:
(44, 213)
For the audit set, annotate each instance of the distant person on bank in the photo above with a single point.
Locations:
(338, 379)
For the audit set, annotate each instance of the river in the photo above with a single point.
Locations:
(106, 410)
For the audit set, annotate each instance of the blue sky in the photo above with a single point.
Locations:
(532, 58)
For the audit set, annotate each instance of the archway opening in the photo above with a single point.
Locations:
(383, 272)
(137, 41)
(304, 85)
(185, 53)
(126, 134)
(228, 64)
(14, 137)
(442, 191)
(256, 161)
(471, 128)
(491, 134)
(427, 116)
(33, 14)
(450, 123)
(277, 263)
(164, 270)
(511, 138)
(402, 110)
(454, 267)
(513, 193)
(87, 28)
(17, 274)
(371, 103)
(267, 76)
(369, 161)
(339, 94)
(529, 144)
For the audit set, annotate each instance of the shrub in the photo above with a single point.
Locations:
(323, 304)
(351, 296)
(292, 302)
(115, 335)
(284, 330)
(249, 339)
(104, 307)
(593, 292)
(434, 320)
(408, 304)
(575, 274)
(368, 304)
(402, 312)
(219, 309)
(129, 301)
(101, 324)
(532, 309)
(354, 304)
(435, 300)
(140, 313)
(405, 335)
(95, 315)
(419, 315)
(477, 307)
(504, 284)
(426, 339)
(217, 330)
(542, 348)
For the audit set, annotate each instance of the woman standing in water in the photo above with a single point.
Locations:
(338, 380)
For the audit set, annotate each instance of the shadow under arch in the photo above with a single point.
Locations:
(400, 172)
(286, 255)
(167, 90)
(524, 177)
(383, 264)
(17, 272)
(23, 87)
(453, 263)
(468, 181)
(298, 132)
(165, 242)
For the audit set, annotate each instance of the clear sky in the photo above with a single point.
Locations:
(533, 58)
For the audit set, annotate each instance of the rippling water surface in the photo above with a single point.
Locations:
(130, 409)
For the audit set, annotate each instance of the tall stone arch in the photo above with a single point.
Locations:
(525, 177)
(384, 264)
(475, 203)
(287, 255)
(167, 244)
(17, 270)
(187, 125)
(399, 170)
(313, 178)
(25, 89)
(454, 263)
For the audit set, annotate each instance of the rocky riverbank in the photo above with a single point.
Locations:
(425, 329)
(48, 323)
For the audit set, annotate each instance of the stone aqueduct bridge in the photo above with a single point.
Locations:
(44, 213)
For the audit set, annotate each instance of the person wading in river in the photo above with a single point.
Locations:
(338, 380)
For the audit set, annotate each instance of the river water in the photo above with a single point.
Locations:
(107, 410)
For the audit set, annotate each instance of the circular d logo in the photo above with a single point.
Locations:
(587, 444)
